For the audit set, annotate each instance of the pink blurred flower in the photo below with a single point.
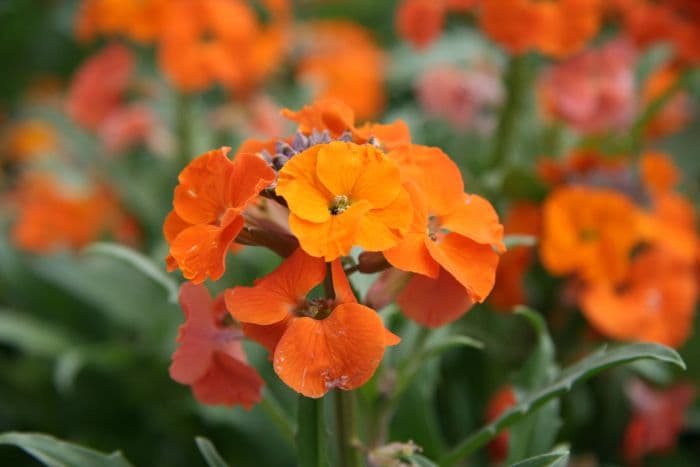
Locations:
(658, 417)
(126, 127)
(99, 86)
(464, 98)
(593, 91)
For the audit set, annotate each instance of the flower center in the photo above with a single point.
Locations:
(319, 308)
(433, 227)
(339, 205)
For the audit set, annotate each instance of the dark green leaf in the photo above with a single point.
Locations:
(209, 452)
(56, 453)
(589, 366)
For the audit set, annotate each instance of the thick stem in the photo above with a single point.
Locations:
(346, 429)
(506, 134)
(311, 433)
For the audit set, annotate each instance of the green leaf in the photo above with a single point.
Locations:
(31, 335)
(512, 241)
(589, 366)
(209, 452)
(536, 433)
(312, 437)
(449, 343)
(557, 458)
(56, 453)
(142, 263)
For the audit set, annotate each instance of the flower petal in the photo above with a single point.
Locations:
(476, 219)
(384, 228)
(472, 264)
(200, 250)
(274, 297)
(228, 382)
(343, 350)
(332, 238)
(298, 184)
(434, 302)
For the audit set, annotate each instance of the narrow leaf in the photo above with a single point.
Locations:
(209, 452)
(551, 459)
(53, 452)
(30, 335)
(589, 366)
(139, 261)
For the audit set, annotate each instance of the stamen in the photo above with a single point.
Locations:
(340, 204)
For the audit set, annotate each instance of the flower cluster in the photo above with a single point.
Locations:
(315, 198)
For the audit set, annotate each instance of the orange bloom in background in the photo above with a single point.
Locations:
(557, 28)
(99, 86)
(450, 229)
(210, 357)
(659, 174)
(211, 195)
(676, 112)
(584, 166)
(523, 219)
(501, 401)
(420, 22)
(674, 22)
(344, 194)
(341, 60)
(205, 42)
(28, 139)
(52, 216)
(317, 344)
(138, 20)
(590, 232)
(658, 418)
(654, 303)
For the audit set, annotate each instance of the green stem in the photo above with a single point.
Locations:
(652, 110)
(183, 128)
(311, 435)
(346, 429)
(273, 410)
(506, 134)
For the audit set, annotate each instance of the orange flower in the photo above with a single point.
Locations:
(341, 60)
(205, 42)
(658, 173)
(334, 116)
(138, 20)
(210, 357)
(28, 139)
(676, 22)
(211, 195)
(344, 194)
(420, 22)
(675, 114)
(450, 230)
(658, 417)
(523, 218)
(590, 232)
(557, 28)
(99, 86)
(655, 303)
(52, 217)
(317, 344)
